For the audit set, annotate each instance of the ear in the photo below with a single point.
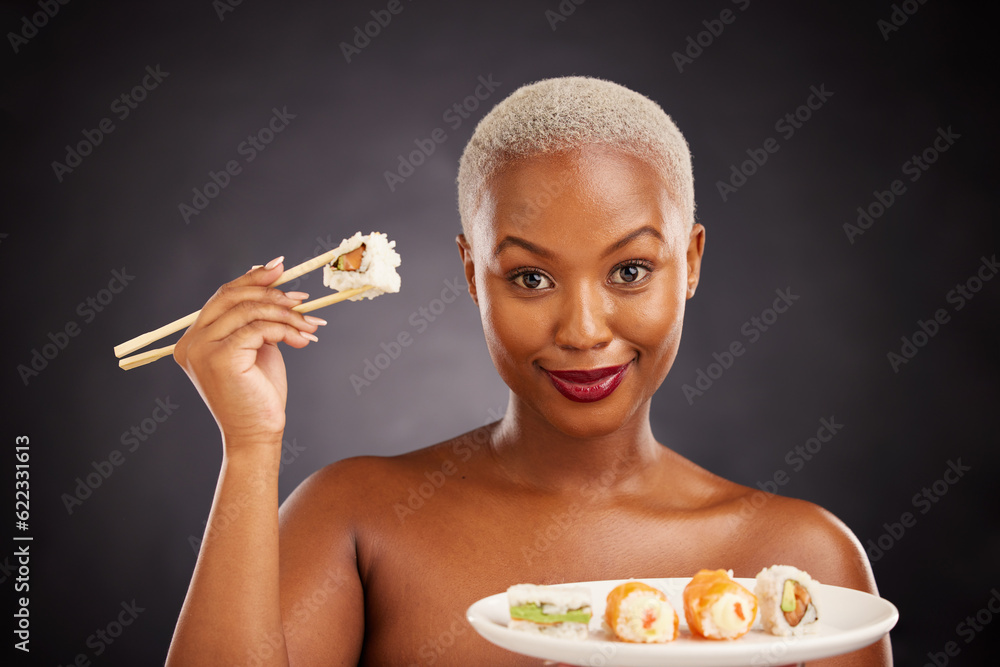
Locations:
(696, 248)
(465, 252)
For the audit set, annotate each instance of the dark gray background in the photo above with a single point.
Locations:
(322, 179)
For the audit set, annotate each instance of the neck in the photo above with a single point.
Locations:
(533, 452)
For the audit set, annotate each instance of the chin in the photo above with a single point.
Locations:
(588, 420)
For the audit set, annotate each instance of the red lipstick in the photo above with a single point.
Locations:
(588, 386)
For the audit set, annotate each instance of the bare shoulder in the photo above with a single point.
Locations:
(354, 490)
(329, 531)
(342, 485)
(797, 532)
(775, 530)
(815, 540)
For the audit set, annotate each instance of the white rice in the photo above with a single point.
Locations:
(769, 588)
(563, 630)
(378, 267)
(553, 600)
(720, 620)
(632, 613)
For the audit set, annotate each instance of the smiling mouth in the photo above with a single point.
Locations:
(588, 386)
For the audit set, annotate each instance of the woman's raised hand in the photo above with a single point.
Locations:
(231, 354)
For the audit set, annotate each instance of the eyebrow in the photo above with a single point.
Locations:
(509, 241)
(646, 230)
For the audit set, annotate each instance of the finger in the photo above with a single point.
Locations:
(239, 352)
(246, 312)
(255, 335)
(257, 276)
(262, 274)
(230, 296)
(243, 313)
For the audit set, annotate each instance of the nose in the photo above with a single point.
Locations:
(583, 319)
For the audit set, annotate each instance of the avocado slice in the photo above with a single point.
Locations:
(788, 596)
(533, 612)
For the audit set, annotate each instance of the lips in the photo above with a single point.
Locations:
(587, 386)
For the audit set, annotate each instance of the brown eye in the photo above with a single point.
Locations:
(630, 273)
(532, 280)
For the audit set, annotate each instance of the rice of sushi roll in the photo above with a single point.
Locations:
(364, 260)
(637, 612)
(716, 607)
(557, 611)
(788, 600)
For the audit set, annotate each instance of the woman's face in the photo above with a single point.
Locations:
(581, 264)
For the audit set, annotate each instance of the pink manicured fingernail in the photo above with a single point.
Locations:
(309, 336)
(297, 295)
(274, 262)
(315, 320)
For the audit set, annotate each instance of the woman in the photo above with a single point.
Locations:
(580, 250)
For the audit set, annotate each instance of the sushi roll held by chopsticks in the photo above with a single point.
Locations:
(362, 267)
(364, 260)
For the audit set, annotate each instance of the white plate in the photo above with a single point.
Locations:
(849, 620)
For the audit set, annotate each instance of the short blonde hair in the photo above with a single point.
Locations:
(560, 114)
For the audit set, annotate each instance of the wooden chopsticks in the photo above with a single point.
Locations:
(136, 360)
(145, 339)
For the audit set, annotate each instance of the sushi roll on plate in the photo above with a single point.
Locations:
(716, 607)
(637, 612)
(550, 610)
(788, 600)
